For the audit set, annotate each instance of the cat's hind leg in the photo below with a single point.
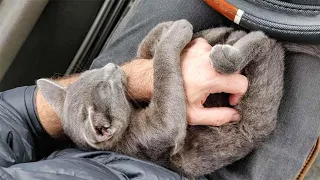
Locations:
(235, 36)
(228, 59)
(214, 35)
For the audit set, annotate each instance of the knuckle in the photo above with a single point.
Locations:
(219, 120)
(193, 121)
(200, 40)
(243, 83)
(192, 118)
(200, 43)
(207, 47)
(215, 123)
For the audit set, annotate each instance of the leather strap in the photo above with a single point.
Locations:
(282, 20)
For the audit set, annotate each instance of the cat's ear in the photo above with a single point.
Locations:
(53, 93)
(99, 125)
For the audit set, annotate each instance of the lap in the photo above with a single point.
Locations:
(283, 154)
(144, 16)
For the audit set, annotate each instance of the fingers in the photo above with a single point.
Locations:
(235, 84)
(212, 116)
(234, 99)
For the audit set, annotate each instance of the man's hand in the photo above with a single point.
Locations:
(200, 80)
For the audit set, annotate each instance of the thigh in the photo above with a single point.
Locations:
(145, 15)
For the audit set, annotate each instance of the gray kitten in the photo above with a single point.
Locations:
(96, 114)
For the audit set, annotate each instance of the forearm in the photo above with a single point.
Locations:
(139, 79)
(139, 87)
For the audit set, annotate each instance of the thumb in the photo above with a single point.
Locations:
(216, 116)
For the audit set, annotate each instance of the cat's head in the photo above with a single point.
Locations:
(94, 110)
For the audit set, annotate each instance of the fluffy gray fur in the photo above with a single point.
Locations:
(96, 114)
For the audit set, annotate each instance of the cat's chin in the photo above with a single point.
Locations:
(104, 145)
(92, 144)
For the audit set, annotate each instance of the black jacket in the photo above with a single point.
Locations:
(23, 142)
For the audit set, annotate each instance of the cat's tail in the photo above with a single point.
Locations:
(310, 49)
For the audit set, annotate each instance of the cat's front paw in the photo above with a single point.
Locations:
(183, 25)
(225, 58)
(179, 34)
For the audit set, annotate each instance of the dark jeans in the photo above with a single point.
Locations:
(284, 153)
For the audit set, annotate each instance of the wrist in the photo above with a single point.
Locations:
(49, 120)
(139, 74)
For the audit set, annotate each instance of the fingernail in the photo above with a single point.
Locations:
(233, 103)
(235, 117)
